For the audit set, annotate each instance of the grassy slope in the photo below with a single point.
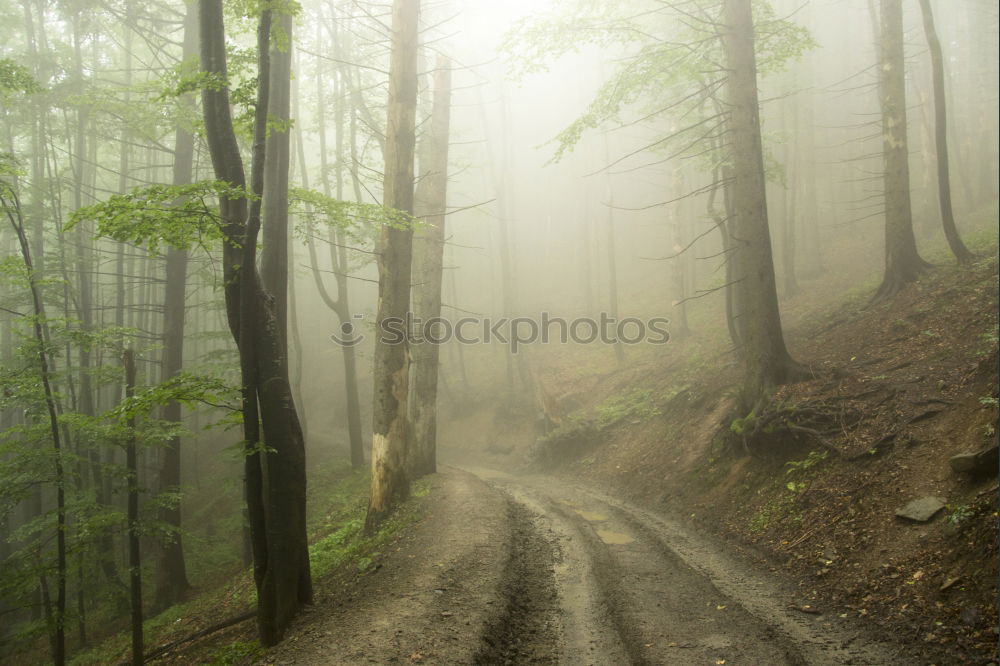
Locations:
(338, 500)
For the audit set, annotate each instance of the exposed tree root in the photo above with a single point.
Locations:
(896, 280)
(774, 425)
(225, 624)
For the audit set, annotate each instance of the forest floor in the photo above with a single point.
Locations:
(898, 388)
(653, 527)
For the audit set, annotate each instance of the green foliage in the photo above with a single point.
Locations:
(185, 77)
(10, 169)
(664, 74)
(812, 460)
(636, 405)
(360, 221)
(783, 504)
(186, 388)
(15, 79)
(990, 340)
(237, 652)
(743, 425)
(959, 515)
(180, 216)
(780, 507)
(329, 553)
(345, 502)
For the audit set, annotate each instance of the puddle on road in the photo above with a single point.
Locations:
(592, 516)
(614, 538)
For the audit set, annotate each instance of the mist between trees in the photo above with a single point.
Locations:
(197, 194)
(516, 332)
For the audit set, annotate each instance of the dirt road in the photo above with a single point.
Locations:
(634, 587)
(534, 570)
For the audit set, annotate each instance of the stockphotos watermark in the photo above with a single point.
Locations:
(516, 333)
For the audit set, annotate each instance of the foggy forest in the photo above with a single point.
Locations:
(524, 332)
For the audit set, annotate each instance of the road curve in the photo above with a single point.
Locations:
(594, 580)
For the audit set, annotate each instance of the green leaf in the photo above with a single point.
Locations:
(181, 216)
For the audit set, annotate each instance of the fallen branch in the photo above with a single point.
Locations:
(225, 624)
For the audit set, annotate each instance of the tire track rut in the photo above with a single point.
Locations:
(619, 585)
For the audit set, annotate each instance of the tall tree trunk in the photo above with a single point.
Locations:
(274, 257)
(612, 256)
(791, 197)
(767, 362)
(499, 166)
(677, 267)
(428, 253)
(390, 481)
(338, 251)
(85, 313)
(275, 481)
(56, 616)
(613, 272)
(171, 571)
(902, 262)
(958, 248)
(134, 560)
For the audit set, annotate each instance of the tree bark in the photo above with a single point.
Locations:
(902, 262)
(612, 256)
(134, 558)
(428, 253)
(57, 616)
(767, 362)
(791, 198)
(958, 248)
(275, 481)
(338, 251)
(274, 257)
(171, 572)
(390, 481)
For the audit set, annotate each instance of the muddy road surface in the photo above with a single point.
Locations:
(536, 570)
(632, 587)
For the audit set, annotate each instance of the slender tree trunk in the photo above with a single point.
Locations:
(428, 252)
(767, 362)
(296, 350)
(958, 248)
(791, 193)
(134, 560)
(274, 258)
(680, 329)
(171, 571)
(499, 166)
(85, 314)
(613, 272)
(338, 251)
(459, 349)
(902, 262)
(586, 264)
(612, 256)
(390, 481)
(724, 222)
(57, 615)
